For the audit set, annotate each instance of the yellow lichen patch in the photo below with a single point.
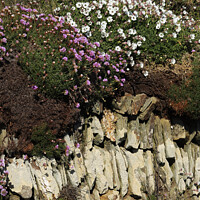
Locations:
(108, 124)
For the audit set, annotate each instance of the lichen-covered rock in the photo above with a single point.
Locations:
(20, 177)
(168, 141)
(101, 180)
(97, 131)
(121, 128)
(111, 195)
(133, 135)
(108, 124)
(122, 171)
(136, 176)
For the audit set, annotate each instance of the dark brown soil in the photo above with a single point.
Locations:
(22, 108)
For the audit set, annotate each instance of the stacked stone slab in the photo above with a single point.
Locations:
(127, 152)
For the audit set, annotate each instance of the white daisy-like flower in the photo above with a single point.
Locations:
(124, 9)
(133, 18)
(131, 58)
(85, 28)
(146, 73)
(130, 6)
(123, 35)
(141, 65)
(78, 4)
(158, 26)
(88, 18)
(112, 12)
(92, 7)
(192, 36)
(109, 19)
(161, 35)
(85, 5)
(134, 46)
(173, 61)
(132, 31)
(128, 53)
(128, 43)
(118, 14)
(174, 35)
(103, 23)
(132, 63)
(138, 52)
(98, 23)
(88, 34)
(178, 29)
(139, 43)
(73, 8)
(116, 9)
(89, 23)
(99, 16)
(120, 31)
(117, 48)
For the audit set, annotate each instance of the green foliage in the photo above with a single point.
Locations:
(45, 143)
(186, 97)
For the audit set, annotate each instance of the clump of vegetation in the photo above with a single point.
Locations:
(143, 31)
(46, 143)
(69, 192)
(185, 99)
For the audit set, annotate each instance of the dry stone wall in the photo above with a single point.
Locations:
(127, 152)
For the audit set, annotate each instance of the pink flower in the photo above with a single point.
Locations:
(88, 82)
(66, 92)
(77, 105)
(63, 49)
(4, 192)
(65, 58)
(35, 87)
(108, 72)
(105, 80)
(77, 145)
(97, 44)
(56, 147)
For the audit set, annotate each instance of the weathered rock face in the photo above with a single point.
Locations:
(128, 152)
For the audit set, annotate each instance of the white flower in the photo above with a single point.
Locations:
(128, 43)
(89, 23)
(192, 36)
(88, 34)
(173, 61)
(88, 18)
(146, 73)
(78, 4)
(117, 48)
(120, 31)
(119, 14)
(141, 65)
(85, 5)
(112, 12)
(139, 43)
(85, 29)
(161, 35)
(158, 26)
(99, 16)
(123, 35)
(98, 23)
(132, 63)
(73, 8)
(103, 23)
(109, 19)
(174, 35)
(132, 32)
(134, 46)
(138, 52)
(178, 29)
(133, 18)
(92, 7)
(131, 58)
(130, 6)
(128, 53)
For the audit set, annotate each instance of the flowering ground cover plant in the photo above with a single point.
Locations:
(142, 30)
(3, 180)
(60, 61)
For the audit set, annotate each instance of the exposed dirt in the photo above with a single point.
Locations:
(22, 108)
